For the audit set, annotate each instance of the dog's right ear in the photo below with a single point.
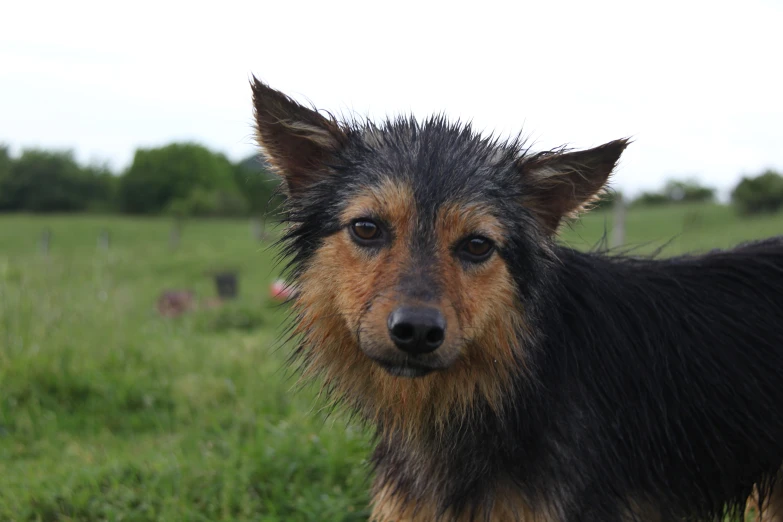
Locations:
(298, 142)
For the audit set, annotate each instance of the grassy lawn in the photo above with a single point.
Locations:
(110, 412)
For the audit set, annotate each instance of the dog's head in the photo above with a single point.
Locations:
(417, 248)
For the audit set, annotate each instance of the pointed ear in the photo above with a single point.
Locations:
(298, 142)
(560, 184)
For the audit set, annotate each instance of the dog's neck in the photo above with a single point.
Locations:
(434, 465)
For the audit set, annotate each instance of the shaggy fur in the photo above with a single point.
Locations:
(570, 386)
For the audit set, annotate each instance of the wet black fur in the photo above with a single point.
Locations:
(655, 380)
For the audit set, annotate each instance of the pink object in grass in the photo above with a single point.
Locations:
(281, 290)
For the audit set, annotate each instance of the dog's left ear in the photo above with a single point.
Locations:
(560, 184)
(298, 142)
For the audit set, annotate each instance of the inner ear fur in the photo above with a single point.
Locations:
(297, 141)
(559, 185)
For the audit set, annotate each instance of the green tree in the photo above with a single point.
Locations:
(760, 194)
(5, 172)
(201, 202)
(5, 160)
(163, 175)
(689, 190)
(678, 191)
(259, 185)
(100, 188)
(43, 181)
(52, 181)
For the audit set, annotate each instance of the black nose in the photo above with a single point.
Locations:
(417, 330)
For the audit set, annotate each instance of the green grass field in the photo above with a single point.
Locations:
(110, 412)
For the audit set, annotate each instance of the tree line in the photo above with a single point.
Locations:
(180, 179)
(188, 179)
(758, 194)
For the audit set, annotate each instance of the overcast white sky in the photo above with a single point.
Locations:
(696, 83)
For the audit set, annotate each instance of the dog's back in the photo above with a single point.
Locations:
(675, 366)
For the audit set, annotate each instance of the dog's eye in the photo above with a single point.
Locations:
(476, 249)
(365, 231)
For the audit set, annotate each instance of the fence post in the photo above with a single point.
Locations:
(257, 228)
(174, 235)
(104, 240)
(618, 230)
(46, 239)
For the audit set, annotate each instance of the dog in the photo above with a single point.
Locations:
(508, 377)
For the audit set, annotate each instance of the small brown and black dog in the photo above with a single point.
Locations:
(510, 378)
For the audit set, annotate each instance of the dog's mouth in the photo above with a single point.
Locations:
(407, 368)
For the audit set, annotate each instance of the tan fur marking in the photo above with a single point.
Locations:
(773, 505)
(392, 201)
(457, 221)
(488, 308)
(509, 506)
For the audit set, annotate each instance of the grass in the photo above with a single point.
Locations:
(110, 412)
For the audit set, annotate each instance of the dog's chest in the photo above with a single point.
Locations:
(506, 505)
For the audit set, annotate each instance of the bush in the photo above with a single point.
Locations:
(162, 177)
(689, 191)
(678, 191)
(760, 194)
(46, 181)
(259, 186)
(101, 188)
(651, 198)
(5, 173)
(180, 179)
(5, 161)
(202, 202)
